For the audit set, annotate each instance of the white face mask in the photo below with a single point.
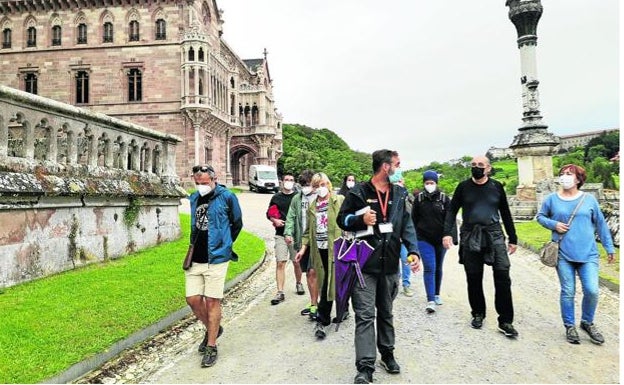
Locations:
(350, 184)
(322, 191)
(430, 187)
(567, 181)
(204, 189)
(306, 190)
(288, 185)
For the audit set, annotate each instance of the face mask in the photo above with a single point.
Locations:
(477, 172)
(322, 191)
(350, 184)
(306, 190)
(396, 176)
(288, 185)
(567, 181)
(204, 189)
(430, 187)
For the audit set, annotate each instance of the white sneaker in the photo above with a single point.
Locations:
(438, 300)
(407, 291)
(431, 307)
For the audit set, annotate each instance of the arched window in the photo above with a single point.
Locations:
(32, 37)
(82, 87)
(135, 90)
(191, 55)
(134, 30)
(30, 82)
(6, 38)
(161, 29)
(82, 33)
(232, 82)
(56, 35)
(108, 32)
(200, 54)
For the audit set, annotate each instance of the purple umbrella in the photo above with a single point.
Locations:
(350, 255)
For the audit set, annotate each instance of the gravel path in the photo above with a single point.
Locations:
(274, 344)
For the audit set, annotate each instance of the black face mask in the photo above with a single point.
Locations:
(477, 172)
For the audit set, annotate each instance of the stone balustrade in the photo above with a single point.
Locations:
(78, 187)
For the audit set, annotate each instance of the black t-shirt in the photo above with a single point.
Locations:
(282, 201)
(200, 252)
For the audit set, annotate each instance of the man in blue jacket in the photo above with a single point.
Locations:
(216, 221)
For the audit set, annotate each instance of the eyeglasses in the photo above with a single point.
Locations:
(197, 169)
(478, 164)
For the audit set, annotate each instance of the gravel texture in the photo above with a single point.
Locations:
(274, 344)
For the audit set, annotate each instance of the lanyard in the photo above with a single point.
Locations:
(383, 205)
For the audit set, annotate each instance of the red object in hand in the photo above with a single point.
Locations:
(273, 212)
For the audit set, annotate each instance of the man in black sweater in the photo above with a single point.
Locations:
(484, 203)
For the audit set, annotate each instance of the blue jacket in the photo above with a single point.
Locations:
(225, 221)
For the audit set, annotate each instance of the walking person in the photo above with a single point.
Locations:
(347, 184)
(293, 231)
(216, 221)
(319, 236)
(484, 203)
(578, 253)
(392, 226)
(428, 213)
(405, 271)
(277, 213)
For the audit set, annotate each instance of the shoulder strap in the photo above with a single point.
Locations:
(420, 195)
(576, 209)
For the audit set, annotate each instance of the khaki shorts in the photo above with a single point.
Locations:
(206, 279)
(283, 252)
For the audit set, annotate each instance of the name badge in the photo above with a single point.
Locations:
(385, 227)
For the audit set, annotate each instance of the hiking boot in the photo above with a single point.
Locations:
(279, 297)
(344, 317)
(507, 329)
(407, 291)
(300, 290)
(438, 300)
(477, 321)
(430, 307)
(319, 331)
(572, 335)
(594, 334)
(390, 364)
(210, 357)
(204, 343)
(363, 377)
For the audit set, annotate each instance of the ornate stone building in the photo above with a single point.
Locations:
(161, 64)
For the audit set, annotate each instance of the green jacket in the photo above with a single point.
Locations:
(333, 232)
(292, 228)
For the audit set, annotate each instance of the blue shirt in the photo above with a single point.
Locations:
(579, 243)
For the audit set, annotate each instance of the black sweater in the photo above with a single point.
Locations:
(428, 214)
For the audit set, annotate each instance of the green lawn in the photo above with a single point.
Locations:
(52, 323)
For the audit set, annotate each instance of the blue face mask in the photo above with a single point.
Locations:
(396, 177)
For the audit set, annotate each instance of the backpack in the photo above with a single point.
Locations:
(441, 197)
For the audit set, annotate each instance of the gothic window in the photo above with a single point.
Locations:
(200, 55)
(232, 82)
(32, 37)
(6, 38)
(30, 81)
(161, 29)
(82, 87)
(135, 90)
(191, 55)
(205, 13)
(82, 33)
(134, 30)
(56, 35)
(254, 115)
(108, 32)
(201, 87)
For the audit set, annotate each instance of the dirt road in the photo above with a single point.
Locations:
(274, 344)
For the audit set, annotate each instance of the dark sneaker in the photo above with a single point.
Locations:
(319, 331)
(363, 377)
(477, 321)
(300, 290)
(313, 315)
(390, 364)
(508, 330)
(202, 345)
(306, 310)
(572, 335)
(594, 334)
(279, 297)
(210, 357)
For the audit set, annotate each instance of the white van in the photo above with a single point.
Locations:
(263, 178)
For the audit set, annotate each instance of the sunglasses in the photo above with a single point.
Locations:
(202, 169)
(478, 164)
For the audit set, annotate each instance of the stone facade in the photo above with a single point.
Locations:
(580, 140)
(161, 64)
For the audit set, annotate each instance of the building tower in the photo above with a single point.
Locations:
(533, 145)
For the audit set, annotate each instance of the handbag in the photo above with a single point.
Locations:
(549, 253)
(188, 259)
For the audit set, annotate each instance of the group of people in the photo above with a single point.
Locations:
(309, 219)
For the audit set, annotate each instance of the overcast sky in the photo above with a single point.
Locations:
(433, 79)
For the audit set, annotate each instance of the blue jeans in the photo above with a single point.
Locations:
(432, 258)
(404, 272)
(588, 274)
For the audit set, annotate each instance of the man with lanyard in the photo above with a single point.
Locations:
(391, 226)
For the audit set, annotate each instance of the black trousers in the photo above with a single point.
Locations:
(324, 306)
